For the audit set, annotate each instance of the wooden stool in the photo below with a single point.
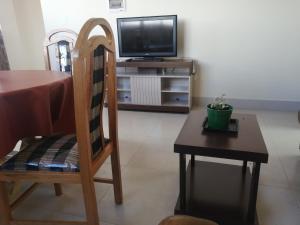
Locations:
(185, 220)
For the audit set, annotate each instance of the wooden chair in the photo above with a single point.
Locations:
(185, 220)
(58, 45)
(75, 158)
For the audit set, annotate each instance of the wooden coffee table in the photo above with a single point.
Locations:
(221, 192)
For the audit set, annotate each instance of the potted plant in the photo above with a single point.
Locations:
(219, 113)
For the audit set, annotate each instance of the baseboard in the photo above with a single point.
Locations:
(254, 104)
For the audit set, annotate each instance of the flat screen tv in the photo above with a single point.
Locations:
(154, 36)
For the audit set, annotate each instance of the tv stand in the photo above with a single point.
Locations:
(163, 86)
(150, 59)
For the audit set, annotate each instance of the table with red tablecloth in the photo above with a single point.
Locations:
(34, 103)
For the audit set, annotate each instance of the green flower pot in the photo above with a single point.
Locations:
(218, 119)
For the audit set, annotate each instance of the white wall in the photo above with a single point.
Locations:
(246, 49)
(11, 36)
(31, 28)
(23, 33)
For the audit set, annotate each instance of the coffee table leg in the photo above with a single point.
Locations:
(253, 192)
(182, 191)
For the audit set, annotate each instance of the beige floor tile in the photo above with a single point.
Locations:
(149, 196)
(278, 206)
(155, 160)
(32, 214)
(43, 200)
(127, 148)
(154, 144)
(50, 215)
(273, 173)
(291, 165)
(104, 223)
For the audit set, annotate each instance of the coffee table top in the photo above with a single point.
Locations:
(248, 144)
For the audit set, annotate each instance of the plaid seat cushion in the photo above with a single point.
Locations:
(53, 153)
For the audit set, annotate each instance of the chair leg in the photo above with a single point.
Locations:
(90, 201)
(58, 189)
(5, 210)
(116, 173)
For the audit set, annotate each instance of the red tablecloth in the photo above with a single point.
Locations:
(34, 103)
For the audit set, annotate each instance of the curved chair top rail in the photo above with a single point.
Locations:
(84, 43)
(61, 34)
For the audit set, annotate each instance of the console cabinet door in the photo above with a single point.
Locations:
(145, 90)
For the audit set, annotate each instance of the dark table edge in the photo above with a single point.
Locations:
(221, 153)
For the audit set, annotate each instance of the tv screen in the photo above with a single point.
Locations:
(154, 36)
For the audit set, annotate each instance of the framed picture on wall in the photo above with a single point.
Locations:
(116, 5)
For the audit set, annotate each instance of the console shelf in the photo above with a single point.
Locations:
(166, 63)
(155, 86)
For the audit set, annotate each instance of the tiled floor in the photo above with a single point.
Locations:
(150, 174)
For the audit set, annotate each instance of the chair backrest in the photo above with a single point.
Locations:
(58, 45)
(94, 66)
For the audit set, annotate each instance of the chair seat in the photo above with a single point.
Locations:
(52, 153)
